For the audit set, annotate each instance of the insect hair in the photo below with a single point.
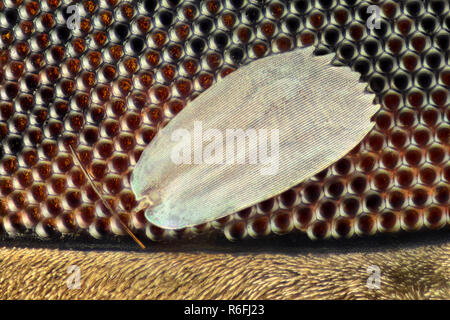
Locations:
(102, 198)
